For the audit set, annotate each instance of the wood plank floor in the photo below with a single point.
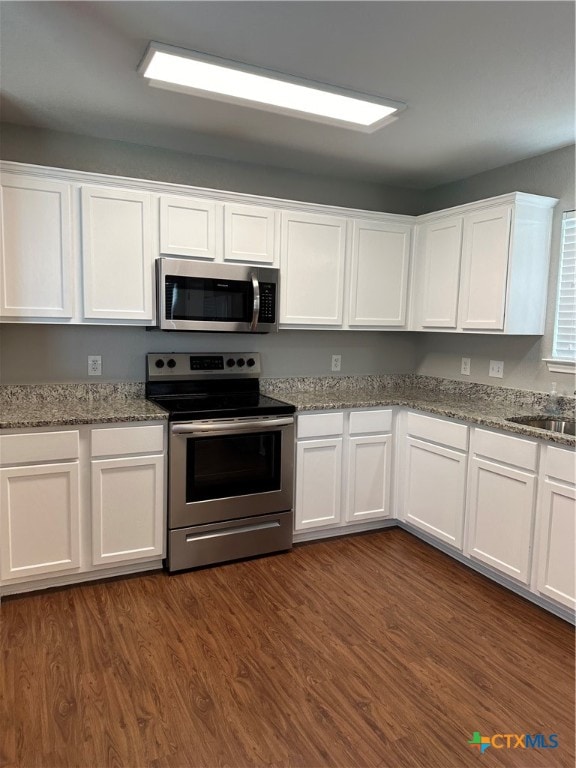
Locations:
(373, 650)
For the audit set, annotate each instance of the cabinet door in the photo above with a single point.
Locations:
(117, 254)
(39, 520)
(368, 477)
(435, 490)
(556, 572)
(312, 269)
(250, 234)
(127, 509)
(318, 483)
(501, 513)
(438, 277)
(190, 227)
(35, 248)
(379, 276)
(485, 251)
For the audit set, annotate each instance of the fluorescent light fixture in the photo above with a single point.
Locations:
(215, 78)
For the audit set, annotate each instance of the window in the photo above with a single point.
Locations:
(565, 324)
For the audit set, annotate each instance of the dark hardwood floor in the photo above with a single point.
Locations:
(372, 650)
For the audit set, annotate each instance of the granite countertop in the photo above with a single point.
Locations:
(478, 404)
(57, 405)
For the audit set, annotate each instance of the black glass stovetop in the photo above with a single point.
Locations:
(221, 405)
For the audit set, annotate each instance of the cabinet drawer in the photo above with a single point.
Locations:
(320, 424)
(362, 422)
(40, 446)
(120, 441)
(561, 464)
(506, 448)
(438, 431)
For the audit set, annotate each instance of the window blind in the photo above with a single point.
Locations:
(565, 326)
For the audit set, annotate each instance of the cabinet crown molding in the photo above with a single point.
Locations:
(511, 198)
(168, 188)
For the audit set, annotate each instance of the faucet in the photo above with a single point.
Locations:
(553, 405)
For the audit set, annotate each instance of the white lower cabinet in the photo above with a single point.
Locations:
(127, 502)
(342, 468)
(555, 571)
(502, 500)
(127, 493)
(40, 519)
(434, 476)
(74, 500)
(318, 483)
(39, 505)
(368, 477)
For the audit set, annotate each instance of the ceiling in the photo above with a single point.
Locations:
(486, 83)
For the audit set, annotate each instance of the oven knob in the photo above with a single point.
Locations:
(171, 363)
(250, 362)
(230, 362)
(159, 363)
(240, 362)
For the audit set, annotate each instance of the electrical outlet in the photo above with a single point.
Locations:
(465, 367)
(94, 365)
(336, 362)
(496, 368)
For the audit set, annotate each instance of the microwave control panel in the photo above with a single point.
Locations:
(267, 303)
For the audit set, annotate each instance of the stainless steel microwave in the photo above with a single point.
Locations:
(193, 296)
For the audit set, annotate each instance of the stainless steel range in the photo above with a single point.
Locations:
(231, 458)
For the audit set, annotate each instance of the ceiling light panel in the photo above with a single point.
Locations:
(212, 77)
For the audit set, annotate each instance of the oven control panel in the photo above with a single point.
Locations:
(173, 366)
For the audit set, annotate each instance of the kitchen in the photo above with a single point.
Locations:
(96, 149)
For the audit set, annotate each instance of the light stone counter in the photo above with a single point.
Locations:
(26, 406)
(55, 405)
(474, 403)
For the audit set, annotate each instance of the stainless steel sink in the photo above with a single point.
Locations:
(566, 426)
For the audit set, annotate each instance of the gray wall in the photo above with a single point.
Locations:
(438, 354)
(68, 150)
(50, 353)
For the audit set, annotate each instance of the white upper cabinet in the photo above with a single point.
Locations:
(79, 248)
(36, 248)
(250, 234)
(437, 266)
(380, 261)
(312, 269)
(117, 254)
(190, 227)
(483, 267)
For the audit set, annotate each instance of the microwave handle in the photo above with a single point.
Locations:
(256, 307)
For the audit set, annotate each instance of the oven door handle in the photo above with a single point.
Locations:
(191, 429)
(256, 306)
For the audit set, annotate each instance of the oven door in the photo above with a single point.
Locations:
(230, 468)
